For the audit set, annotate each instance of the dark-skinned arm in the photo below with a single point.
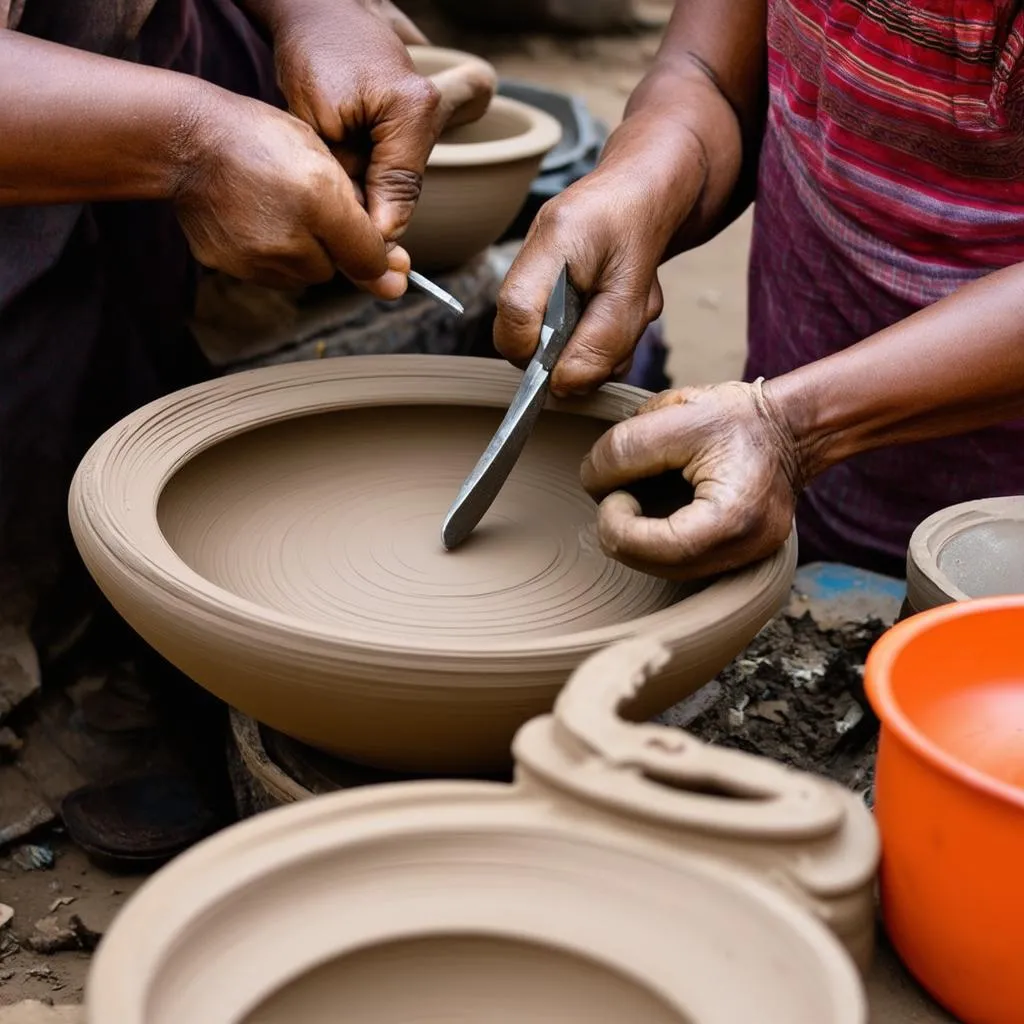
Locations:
(718, 53)
(672, 175)
(258, 195)
(78, 127)
(951, 368)
(749, 449)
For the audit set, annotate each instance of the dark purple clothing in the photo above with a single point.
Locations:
(808, 301)
(94, 297)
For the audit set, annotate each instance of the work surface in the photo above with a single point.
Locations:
(845, 609)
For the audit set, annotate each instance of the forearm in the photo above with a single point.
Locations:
(76, 127)
(700, 111)
(954, 367)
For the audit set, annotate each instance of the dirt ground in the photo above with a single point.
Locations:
(705, 328)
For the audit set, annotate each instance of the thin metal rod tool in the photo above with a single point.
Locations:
(431, 289)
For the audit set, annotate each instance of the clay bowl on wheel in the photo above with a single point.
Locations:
(971, 550)
(948, 686)
(275, 534)
(460, 902)
(477, 177)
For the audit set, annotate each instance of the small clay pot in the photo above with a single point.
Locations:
(479, 173)
(623, 877)
(467, 83)
(275, 534)
(967, 551)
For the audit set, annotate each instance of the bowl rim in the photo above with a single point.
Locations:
(930, 538)
(541, 136)
(116, 540)
(262, 848)
(878, 685)
(452, 54)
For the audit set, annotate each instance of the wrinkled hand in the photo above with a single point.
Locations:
(733, 445)
(602, 227)
(266, 201)
(345, 71)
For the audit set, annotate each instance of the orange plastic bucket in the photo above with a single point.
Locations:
(948, 686)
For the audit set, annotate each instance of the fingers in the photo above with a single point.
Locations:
(620, 297)
(640, 447)
(395, 282)
(523, 300)
(402, 141)
(697, 540)
(354, 162)
(622, 370)
(663, 400)
(345, 230)
(605, 338)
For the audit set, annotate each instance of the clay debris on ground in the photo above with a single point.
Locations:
(796, 695)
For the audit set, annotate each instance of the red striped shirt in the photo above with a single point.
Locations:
(901, 123)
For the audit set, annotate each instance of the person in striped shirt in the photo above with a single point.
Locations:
(884, 142)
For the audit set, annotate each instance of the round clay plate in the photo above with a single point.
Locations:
(461, 903)
(276, 535)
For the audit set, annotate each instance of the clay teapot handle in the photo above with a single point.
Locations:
(670, 774)
(466, 92)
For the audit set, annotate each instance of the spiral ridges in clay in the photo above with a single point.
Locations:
(275, 535)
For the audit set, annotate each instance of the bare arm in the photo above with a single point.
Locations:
(76, 127)
(258, 195)
(344, 70)
(954, 367)
(709, 79)
(671, 176)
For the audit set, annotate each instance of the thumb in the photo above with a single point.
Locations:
(402, 141)
(640, 447)
(693, 542)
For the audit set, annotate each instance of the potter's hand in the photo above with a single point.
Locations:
(601, 228)
(264, 200)
(733, 445)
(345, 71)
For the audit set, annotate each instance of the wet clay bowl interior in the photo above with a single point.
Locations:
(975, 549)
(462, 903)
(275, 534)
(948, 686)
(477, 177)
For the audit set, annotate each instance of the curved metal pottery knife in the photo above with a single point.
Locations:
(491, 472)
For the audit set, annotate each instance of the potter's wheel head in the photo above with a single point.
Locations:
(276, 535)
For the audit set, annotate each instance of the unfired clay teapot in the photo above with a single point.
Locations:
(275, 534)
(631, 873)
